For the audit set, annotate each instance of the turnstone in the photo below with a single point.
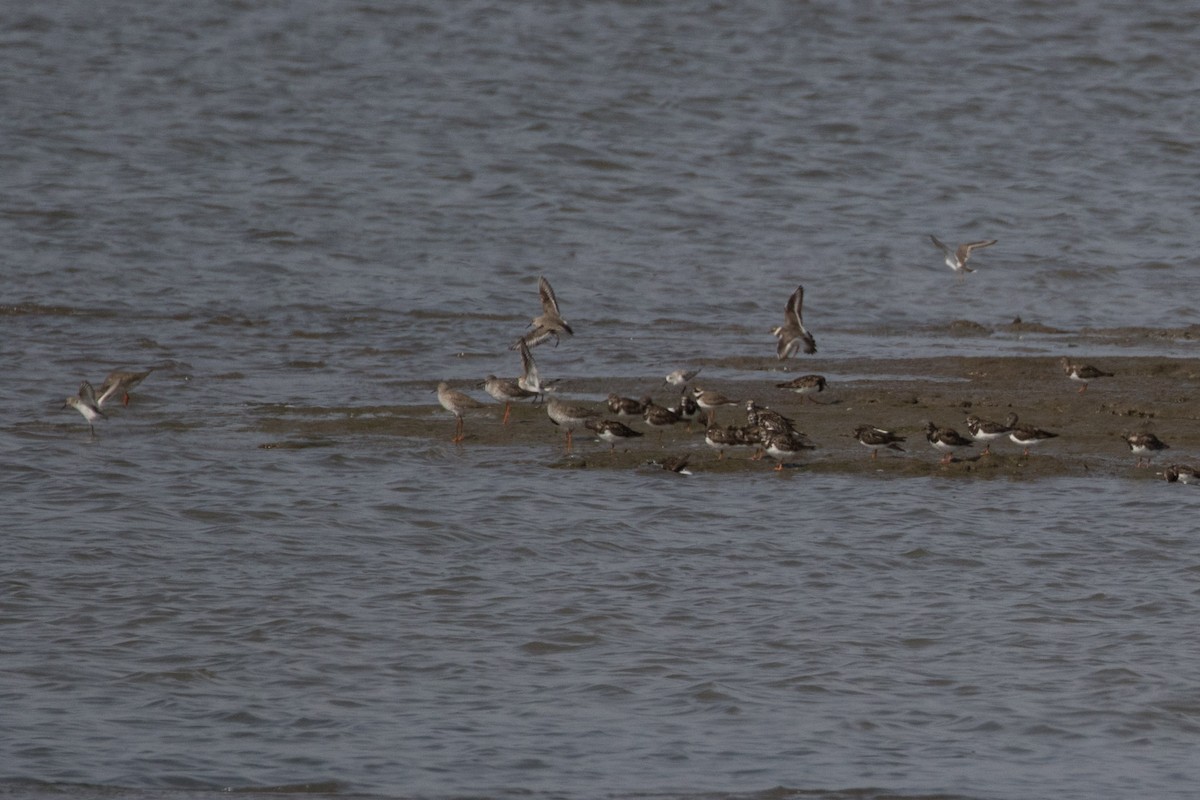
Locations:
(792, 333)
(85, 403)
(676, 464)
(722, 438)
(805, 385)
(505, 391)
(767, 419)
(1181, 473)
(611, 431)
(119, 382)
(1082, 372)
(710, 401)
(457, 404)
(549, 323)
(957, 259)
(947, 440)
(783, 445)
(657, 416)
(983, 430)
(877, 439)
(1144, 445)
(1027, 436)
(681, 376)
(688, 409)
(570, 416)
(625, 406)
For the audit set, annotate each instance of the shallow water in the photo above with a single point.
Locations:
(311, 207)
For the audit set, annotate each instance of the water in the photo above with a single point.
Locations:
(289, 208)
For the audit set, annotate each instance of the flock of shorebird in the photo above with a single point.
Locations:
(766, 432)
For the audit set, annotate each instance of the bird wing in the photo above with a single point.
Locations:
(939, 245)
(549, 301)
(964, 250)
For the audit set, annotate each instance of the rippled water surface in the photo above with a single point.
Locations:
(312, 205)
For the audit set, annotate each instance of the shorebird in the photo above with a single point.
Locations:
(986, 431)
(506, 391)
(957, 259)
(119, 382)
(1144, 445)
(710, 401)
(877, 439)
(681, 376)
(657, 416)
(457, 404)
(1181, 473)
(547, 324)
(722, 438)
(947, 440)
(805, 386)
(688, 408)
(611, 431)
(792, 333)
(570, 416)
(85, 403)
(767, 419)
(782, 445)
(1027, 436)
(625, 406)
(530, 380)
(1082, 372)
(676, 464)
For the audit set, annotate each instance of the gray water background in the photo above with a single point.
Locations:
(337, 205)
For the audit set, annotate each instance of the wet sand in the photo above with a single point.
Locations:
(1146, 393)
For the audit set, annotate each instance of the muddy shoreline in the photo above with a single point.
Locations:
(1146, 393)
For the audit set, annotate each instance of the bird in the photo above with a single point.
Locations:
(710, 401)
(792, 333)
(688, 408)
(722, 438)
(1144, 445)
(457, 404)
(1181, 473)
(657, 416)
(947, 440)
(1027, 436)
(681, 376)
(805, 386)
(611, 431)
(547, 324)
(957, 259)
(530, 380)
(982, 430)
(119, 382)
(877, 439)
(569, 416)
(782, 445)
(768, 420)
(625, 406)
(506, 391)
(677, 464)
(85, 403)
(1082, 372)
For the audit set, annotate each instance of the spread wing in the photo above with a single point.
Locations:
(964, 250)
(549, 301)
(939, 245)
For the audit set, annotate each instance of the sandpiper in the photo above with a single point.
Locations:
(722, 438)
(611, 431)
(570, 416)
(782, 445)
(625, 406)
(1028, 436)
(85, 403)
(530, 380)
(1181, 473)
(805, 385)
(983, 430)
(1082, 372)
(957, 259)
(681, 376)
(710, 401)
(119, 382)
(792, 333)
(877, 439)
(549, 323)
(457, 404)
(506, 391)
(1144, 445)
(947, 440)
